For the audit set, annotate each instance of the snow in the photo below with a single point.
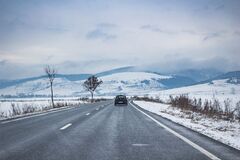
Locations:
(130, 83)
(134, 76)
(39, 104)
(224, 131)
(218, 89)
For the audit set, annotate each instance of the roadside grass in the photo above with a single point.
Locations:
(210, 108)
(21, 108)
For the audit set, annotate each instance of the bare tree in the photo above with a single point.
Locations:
(91, 85)
(51, 74)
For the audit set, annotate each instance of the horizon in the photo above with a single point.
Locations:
(135, 69)
(94, 36)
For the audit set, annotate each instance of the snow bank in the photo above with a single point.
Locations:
(219, 90)
(35, 104)
(224, 131)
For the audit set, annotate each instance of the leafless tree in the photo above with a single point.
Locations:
(51, 74)
(91, 85)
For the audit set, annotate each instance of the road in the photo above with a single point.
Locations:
(102, 131)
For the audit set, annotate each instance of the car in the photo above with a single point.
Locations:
(120, 100)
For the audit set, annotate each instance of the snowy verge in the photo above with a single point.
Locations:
(11, 109)
(37, 113)
(221, 130)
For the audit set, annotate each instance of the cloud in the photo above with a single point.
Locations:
(211, 36)
(237, 33)
(220, 7)
(102, 31)
(3, 62)
(106, 25)
(100, 34)
(154, 28)
(140, 33)
(157, 29)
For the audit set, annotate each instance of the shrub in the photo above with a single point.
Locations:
(237, 110)
(15, 109)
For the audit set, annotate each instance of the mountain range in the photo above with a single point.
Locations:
(126, 80)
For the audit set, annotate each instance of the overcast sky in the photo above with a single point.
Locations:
(88, 36)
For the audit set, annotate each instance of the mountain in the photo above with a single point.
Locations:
(199, 75)
(125, 80)
(7, 83)
(131, 83)
(225, 87)
(118, 81)
(117, 70)
(230, 77)
(71, 77)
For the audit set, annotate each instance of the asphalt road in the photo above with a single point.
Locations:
(102, 131)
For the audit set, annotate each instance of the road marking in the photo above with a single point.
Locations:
(36, 115)
(194, 145)
(66, 126)
(140, 144)
(18, 119)
(88, 114)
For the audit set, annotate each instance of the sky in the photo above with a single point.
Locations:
(89, 36)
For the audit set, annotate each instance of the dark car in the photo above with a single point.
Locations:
(121, 100)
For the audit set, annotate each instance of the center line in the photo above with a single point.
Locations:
(87, 114)
(66, 126)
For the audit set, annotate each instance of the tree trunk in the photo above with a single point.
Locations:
(52, 94)
(92, 97)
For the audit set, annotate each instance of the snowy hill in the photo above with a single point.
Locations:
(232, 77)
(215, 87)
(200, 74)
(130, 83)
(125, 80)
(220, 89)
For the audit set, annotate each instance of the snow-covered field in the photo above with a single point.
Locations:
(32, 105)
(220, 90)
(224, 131)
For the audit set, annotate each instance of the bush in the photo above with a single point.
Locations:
(148, 99)
(15, 110)
(237, 110)
(28, 109)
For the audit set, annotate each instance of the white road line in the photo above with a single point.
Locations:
(66, 126)
(36, 115)
(87, 114)
(18, 119)
(194, 145)
(140, 144)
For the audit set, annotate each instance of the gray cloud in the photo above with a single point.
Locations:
(100, 34)
(102, 31)
(220, 7)
(106, 25)
(157, 29)
(3, 62)
(211, 36)
(237, 33)
(154, 28)
(139, 33)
